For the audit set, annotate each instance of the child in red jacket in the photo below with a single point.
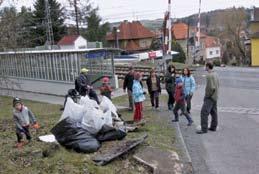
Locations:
(180, 102)
(106, 89)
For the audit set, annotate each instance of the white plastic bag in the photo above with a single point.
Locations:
(106, 104)
(73, 110)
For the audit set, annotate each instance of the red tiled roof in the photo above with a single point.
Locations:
(180, 31)
(211, 42)
(68, 40)
(131, 30)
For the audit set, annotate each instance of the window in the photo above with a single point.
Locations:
(217, 52)
(211, 52)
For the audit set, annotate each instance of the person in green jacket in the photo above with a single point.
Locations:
(170, 85)
(210, 101)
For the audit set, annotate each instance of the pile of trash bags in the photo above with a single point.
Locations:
(85, 125)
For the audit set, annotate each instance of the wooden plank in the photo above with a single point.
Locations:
(117, 151)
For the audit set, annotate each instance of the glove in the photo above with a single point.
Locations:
(36, 125)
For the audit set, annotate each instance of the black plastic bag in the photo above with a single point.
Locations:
(108, 133)
(71, 135)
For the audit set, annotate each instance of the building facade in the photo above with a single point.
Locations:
(254, 36)
(72, 42)
(131, 36)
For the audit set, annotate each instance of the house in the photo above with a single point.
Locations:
(131, 36)
(180, 34)
(254, 36)
(72, 42)
(212, 48)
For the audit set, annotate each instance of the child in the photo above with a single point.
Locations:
(106, 89)
(138, 97)
(154, 89)
(23, 117)
(180, 102)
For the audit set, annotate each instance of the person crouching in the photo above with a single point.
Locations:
(138, 97)
(23, 117)
(180, 103)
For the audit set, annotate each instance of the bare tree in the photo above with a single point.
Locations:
(235, 22)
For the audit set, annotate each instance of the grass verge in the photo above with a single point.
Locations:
(27, 160)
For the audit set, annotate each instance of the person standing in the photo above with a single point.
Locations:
(189, 87)
(210, 101)
(170, 85)
(127, 85)
(180, 103)
(154, 88)
(83, 85)
(138, 97)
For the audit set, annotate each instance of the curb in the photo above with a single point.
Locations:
(182, 142)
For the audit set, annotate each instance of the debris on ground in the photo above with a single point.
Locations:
(84, 126)
(115, 152)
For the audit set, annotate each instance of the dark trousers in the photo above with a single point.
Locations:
(19, 133)
(209, 107)
(170, 102)
(182, 107)
(188, 99)
(130, 97)
(154, 97)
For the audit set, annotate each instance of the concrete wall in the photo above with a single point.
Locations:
(255, 51)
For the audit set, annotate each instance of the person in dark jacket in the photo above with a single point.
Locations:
(154, 88)
(180, 103)
(84, 86)
(170, 85)
(127, 85)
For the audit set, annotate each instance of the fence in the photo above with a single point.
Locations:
(57, 65)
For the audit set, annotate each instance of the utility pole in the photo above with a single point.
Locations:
(49, 29)
(77, 20)
(198, 44)
(169, 28)
(167, 52)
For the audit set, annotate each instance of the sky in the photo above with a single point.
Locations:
(118, 10)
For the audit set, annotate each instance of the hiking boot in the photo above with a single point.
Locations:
(201, 132)
(175, 120)
(190, 123)
(213, 130)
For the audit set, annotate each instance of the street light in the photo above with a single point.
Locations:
(117, 38)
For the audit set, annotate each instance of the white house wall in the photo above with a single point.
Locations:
(80, 43)
(213, 52)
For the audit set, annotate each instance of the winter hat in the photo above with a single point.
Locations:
(178, 80)
(105, 80)
(84, 70)
(16, 100)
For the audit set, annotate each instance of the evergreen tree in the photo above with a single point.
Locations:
(181, 56)
(39, 18)
(95, 30)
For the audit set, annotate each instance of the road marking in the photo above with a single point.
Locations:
(237, 110)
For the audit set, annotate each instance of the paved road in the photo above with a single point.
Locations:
(234, 148)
